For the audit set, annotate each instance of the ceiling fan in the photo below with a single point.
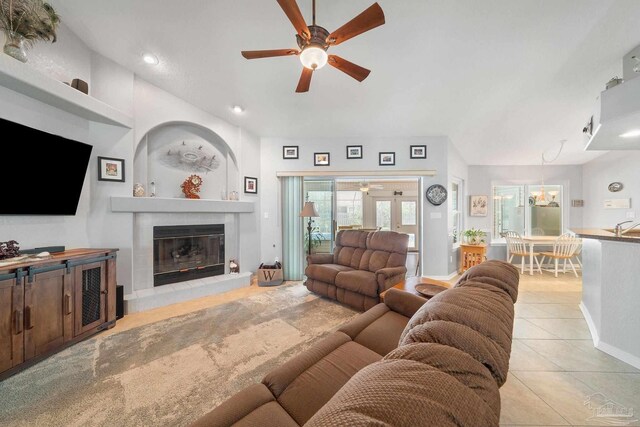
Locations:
(314, 41)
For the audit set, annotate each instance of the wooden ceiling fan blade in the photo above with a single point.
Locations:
(367, 20)
(256, 54)
(357, 72)
(291, 9)
(305, 80)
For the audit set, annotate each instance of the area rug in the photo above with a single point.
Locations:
(171, 372)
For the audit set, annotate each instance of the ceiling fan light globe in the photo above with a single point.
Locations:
(314, 57)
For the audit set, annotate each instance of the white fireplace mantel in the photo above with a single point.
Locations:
(170, 205)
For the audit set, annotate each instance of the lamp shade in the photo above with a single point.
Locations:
(309, 210)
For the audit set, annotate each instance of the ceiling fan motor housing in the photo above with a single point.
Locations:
(318, 38)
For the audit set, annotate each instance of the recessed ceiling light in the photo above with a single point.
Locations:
(631, 134)
(150, 59)
(237, 109)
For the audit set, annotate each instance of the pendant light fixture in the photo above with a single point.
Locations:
(540, 197)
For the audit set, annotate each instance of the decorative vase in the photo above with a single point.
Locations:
(14, 46)
(138, 190)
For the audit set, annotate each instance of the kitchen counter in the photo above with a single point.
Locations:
(602, 234)
(611, 292)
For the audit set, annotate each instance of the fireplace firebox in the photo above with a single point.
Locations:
(187, 252)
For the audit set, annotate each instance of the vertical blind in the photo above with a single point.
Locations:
(292, 228)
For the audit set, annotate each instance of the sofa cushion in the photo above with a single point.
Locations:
(315, 386)
(362, 282)
(325, 272)
(280, 378)
(388, 241)
(254, 406)
(378, 260)
(404, 393)
(382, 335)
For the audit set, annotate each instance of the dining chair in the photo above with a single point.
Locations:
(518, 247)
(564, 248)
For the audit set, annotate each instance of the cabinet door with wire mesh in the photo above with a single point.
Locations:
(90, 296)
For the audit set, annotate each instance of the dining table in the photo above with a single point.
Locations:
(536, 240)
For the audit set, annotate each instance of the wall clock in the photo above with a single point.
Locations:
(436, 194)
(614, 187)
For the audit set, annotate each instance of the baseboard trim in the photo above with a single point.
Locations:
(603, 346)
(619, 354)
(592, 326)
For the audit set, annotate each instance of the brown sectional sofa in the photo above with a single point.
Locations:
(402, 363)
(362, 266)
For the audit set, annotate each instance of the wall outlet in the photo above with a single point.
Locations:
(631, 214)
(266, 215)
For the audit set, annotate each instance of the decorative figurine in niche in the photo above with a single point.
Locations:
(191, 187)
(138, 190)
(234, 268)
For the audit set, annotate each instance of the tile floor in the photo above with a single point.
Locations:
(554, 366)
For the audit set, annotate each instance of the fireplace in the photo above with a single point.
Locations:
(187, 252)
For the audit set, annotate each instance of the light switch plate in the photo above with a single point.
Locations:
(631, 214)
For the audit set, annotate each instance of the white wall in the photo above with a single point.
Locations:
(434, 235)
(621, 166)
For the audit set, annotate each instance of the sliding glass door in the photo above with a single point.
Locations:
(321, 192)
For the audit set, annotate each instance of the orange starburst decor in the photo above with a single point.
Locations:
(191, 187)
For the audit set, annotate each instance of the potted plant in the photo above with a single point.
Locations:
(24, 22)
(474, 236)
(316, 239)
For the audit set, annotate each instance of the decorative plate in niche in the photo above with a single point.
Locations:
(190, 156)
(436, 194)
(614, 187)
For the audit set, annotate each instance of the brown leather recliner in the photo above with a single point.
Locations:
(362, 266)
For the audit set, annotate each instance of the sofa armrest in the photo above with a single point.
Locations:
(403, 302)
(320, 259)
(390, 276)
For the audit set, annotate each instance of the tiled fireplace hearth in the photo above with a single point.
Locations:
(204, 256)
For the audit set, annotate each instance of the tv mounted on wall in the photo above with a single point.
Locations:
(42, 174)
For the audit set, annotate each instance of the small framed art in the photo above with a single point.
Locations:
(354, 151)
(250, 185)
(110, 169)
(478, 205)
(321, 159)
(387, 159)
(290, 152)
(418, 152)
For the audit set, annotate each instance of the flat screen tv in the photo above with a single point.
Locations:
(42, 174)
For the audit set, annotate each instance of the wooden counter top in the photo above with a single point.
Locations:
(56, 257)
(601, 234)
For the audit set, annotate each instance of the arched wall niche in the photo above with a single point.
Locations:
(170, 152)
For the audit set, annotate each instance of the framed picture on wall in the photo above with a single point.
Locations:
(478, 205)
(110, 169)
(250, 185)
(418, 151)
(290, 152)
(387, 159)
(321, 159)
(354, 151)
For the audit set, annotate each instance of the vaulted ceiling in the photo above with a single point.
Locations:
(504, 79)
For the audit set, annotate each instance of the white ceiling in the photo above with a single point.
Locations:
(504, 79)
